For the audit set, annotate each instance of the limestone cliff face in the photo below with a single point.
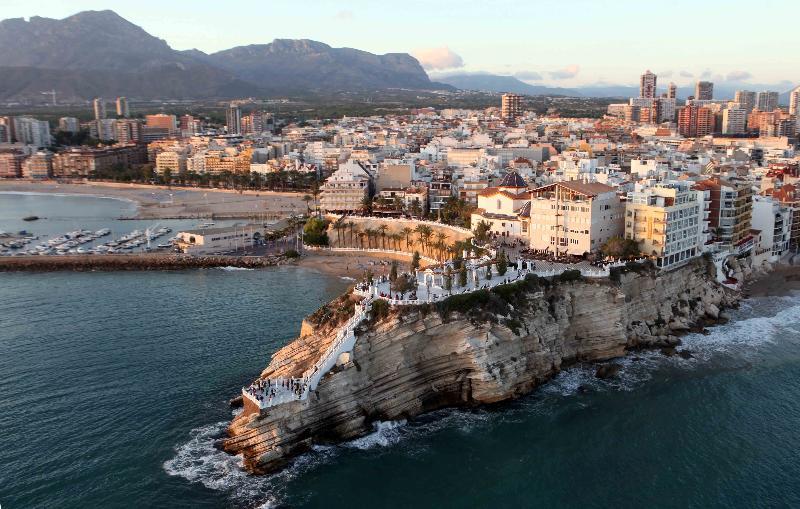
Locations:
(418, 359)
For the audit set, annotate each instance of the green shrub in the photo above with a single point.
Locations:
(570, 275)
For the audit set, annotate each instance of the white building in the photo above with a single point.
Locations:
(774, 221)
(30, 131)
(346, 189)
(574, 217)
(734, 119)
(505, 207)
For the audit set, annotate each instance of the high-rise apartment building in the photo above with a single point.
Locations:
(794, 103)
(734, 119)
(746, 98)
(233, 119)
(672, 91)
(730, 211)
(695, 121)
(122, 107)
(704, 91)
(30, 131)
(766, 101)
(38, 166)
(647, 85)
(69, 124)
(510, 107)
(99, 108)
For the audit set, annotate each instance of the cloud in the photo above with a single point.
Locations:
(686, 74)
(664, 74)
(528, 75)
(739, 76)
(566, 73)
(706, 74)
(344, 15)
(438, 58)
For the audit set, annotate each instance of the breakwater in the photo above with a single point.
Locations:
(143, 261)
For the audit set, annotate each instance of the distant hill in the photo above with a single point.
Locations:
(502, 84)
(100, 53)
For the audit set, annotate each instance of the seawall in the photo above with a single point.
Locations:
(143, 261)
(478, 348)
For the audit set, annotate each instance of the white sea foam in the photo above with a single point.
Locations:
(233, 269)
(385, 433)
(347, 278)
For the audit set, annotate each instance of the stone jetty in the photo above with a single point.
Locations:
(142, 261)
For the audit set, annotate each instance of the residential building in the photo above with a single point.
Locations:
(233, 119)
(439, 191)
(704, 91)
(81, 162)
(574, 217)
(99, 107)
(788, 195)
(730, 211)
(647, 85)
(11, 164)
(672, 91)
(511, 107)
(734, 119)
(347, 188)
(766, 101)
(29, 131)
(122, 107)
(666, 220)
(38, 166)
(128, 131)
(695, 121)
(174, 162)
(774, 221)
(69, 124)
(746, 98)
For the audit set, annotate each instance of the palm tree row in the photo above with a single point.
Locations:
(422, 239)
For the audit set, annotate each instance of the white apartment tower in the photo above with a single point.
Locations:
(99, 108)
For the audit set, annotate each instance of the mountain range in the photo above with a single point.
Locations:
(99, 53)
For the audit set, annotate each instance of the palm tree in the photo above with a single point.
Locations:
(440, 238)
(396, 238)
(351, 225)
(424, 233)
(382, 229)
(407, 232)
(370, 233)
(361, 236)
(307, 198)
(338, 227)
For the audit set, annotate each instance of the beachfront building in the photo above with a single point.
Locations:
(574, 217)
(666, 220)
(347, 188)
(774, 221)
(217, 240)
(730, 212)
(505, 207)
(172, 161)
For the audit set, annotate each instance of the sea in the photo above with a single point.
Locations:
(114, 388)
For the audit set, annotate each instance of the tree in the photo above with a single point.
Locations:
(448, 279)
(416, 208)
(502, 263)
(618, 247)
(415, 261)
(403, 283)
(366, 205)
(315, 232)
(307, 199)
(393, 271)
(351, 225)
(407, 232)
(489, 272)
(462, 276)
(382, 229)
(482, 230)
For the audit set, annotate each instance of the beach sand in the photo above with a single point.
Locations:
(782, 281)
(354, 265)
(160, 202)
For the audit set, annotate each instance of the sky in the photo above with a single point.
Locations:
(551, 42)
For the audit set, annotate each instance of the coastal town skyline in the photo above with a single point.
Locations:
(540, 56)
(244, 278)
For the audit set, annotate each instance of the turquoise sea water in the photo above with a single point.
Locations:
(114, 386)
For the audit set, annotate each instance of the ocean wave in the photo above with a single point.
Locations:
(231, 268)
(385, 433)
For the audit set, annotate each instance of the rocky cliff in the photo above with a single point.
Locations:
(472, 349)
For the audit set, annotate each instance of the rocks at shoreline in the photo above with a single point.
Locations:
(142, 261)
(422, 358)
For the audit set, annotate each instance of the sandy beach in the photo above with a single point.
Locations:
(353, 265)
(781, 281)
(160, 202)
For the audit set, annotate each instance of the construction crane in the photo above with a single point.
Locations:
(52, 94)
